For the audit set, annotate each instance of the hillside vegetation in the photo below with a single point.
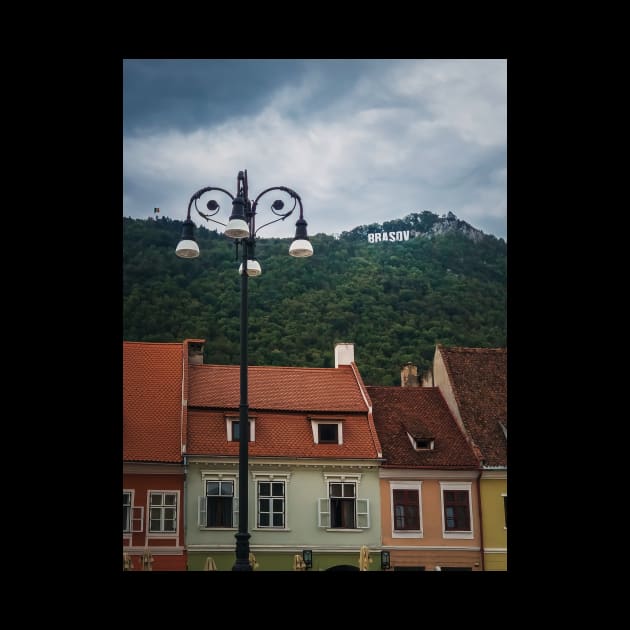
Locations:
(393, 300)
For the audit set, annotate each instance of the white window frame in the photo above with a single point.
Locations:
(272, 478)
(177, 506)
(128, 529)
(315, 427)
(136, 515)
(209, 475)
(137, 522)
(361, 505)
(252, 428)
(414, 443)
(463, 485)
(406, 485)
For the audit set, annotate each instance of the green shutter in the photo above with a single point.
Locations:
(363, 513)
(323, 512)
(202, 519)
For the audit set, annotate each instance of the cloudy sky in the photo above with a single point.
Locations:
(361, 141)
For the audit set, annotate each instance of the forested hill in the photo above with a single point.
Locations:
(439, 281)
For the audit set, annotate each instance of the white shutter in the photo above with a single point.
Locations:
(235, 512)
(137, 518)
(363, 513)
(202, 506)
(323, 513)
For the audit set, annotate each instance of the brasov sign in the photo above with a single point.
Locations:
(379, 237)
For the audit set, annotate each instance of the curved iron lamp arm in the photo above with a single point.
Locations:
(211, 205)
(276, 206)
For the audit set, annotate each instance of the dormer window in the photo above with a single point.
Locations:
(421, 443)
(327, 431)
(233, 432)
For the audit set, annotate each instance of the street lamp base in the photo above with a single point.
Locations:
(242, 552)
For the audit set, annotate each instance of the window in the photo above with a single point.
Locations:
(423, 444)
(342, 505)
(133, 516)
(163, 512)
(456, 510)
(126, 511)
(327, 431)
(271, 504)
(219, 504)
(218, 507)
(328, 434)
(342, 509)
(406, 510)
(233, 430)
(271, 499)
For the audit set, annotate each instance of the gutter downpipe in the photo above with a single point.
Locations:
(184, 504)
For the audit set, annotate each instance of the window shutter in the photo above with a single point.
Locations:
(363, 513)
(137, 518)
(235, 512)
(323, 512)
(202, 506)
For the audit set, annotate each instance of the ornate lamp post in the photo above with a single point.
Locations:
(242, 227)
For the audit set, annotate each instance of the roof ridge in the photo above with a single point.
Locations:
(472, 349)
(153, 343)
(266, 367)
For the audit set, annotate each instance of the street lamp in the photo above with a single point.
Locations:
(242, 227)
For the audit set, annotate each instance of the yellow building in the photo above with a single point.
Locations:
(493, 489)
(473, 382)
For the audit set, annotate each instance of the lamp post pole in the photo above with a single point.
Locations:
(242, 227)
(243, 536)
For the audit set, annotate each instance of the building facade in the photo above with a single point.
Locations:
(153, 471)
(473, 382)
(429, 482)
(313, 466)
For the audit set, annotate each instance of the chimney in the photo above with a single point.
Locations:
(409, 375)
(195, 353)
(344, 354)
(428, 380)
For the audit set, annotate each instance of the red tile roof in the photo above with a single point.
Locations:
(333, 390)
(152, 393)
(479, 380)
(279, 435)
(281, 399)
(398, 410)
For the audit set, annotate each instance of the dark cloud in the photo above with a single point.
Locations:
(188, 94)
(378, 138)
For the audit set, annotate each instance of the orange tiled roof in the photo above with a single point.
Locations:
(152, 382)
(281, 399)
(279, 435)
(398, 410)
(330, 390)
(479, 380)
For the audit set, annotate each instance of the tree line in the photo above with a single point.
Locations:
(393, 300)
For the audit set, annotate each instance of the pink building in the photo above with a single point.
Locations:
(428, 482)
